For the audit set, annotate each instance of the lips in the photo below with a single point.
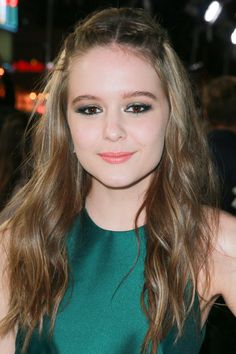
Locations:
(116, 157)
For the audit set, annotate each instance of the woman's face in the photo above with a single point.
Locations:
(117, 114)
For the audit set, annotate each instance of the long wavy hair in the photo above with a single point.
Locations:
(178, 226)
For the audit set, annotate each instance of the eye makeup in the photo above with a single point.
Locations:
(137, 108)
(88, 110)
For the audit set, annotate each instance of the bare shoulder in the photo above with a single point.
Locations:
(226, 238)
(223, 258)
(7, 342)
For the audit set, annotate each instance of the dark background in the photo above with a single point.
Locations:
(43, 25)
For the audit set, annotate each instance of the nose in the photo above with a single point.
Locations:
(114, 128)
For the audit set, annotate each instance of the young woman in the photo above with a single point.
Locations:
(113, 246)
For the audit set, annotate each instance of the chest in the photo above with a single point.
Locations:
(101, 311)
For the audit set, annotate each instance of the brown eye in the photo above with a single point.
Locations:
(89, 110)
(137, 108)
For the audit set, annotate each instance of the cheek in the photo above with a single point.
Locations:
(153, 139)
(152, 135)
(83, 138)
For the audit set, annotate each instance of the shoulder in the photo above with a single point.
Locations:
(226, 235)
(223, 260)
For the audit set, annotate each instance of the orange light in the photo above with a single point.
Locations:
(41, 96)
(2, 71)
(41, 109)
(32, 96)
(25, 66)
(12, 3)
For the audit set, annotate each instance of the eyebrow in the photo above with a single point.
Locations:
(139, 93)
(84, 97)
(125, 95)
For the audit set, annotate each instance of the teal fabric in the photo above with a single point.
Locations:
(100, 312)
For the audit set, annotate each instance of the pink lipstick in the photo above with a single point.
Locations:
(116, 157)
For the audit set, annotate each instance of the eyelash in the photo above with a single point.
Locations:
(85, 110)
(136, 108)
(143, 108)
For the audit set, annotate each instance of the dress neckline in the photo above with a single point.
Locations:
(98, 228)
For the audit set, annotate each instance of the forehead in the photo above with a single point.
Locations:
(112, 68)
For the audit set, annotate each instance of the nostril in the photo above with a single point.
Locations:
(114, 131)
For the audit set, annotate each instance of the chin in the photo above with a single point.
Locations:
(117, 183)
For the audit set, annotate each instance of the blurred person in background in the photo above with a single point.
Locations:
(219, 98)
(220, 106)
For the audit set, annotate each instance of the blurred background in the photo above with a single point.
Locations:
(31, 32)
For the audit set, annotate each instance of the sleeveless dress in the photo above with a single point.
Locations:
(101, 312)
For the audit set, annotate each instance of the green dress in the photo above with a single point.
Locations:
(100, 312)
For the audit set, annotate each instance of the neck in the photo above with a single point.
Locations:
(115, 209)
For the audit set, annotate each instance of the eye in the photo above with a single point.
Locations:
(89, 110)
(137, 108)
